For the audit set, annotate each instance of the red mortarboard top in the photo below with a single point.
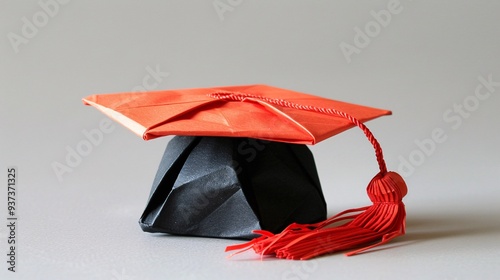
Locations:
(280, 115)
(196, 112)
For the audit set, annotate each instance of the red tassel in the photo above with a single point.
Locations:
(367, 227)
(374, 226)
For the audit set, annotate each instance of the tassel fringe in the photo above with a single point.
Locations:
(366, 227)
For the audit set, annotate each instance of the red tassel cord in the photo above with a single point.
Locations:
(366, 227)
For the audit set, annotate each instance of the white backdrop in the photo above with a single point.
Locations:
(435, 64)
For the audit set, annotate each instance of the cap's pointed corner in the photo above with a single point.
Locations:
(89, 99)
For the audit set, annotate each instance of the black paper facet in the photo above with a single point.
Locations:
(227, 187)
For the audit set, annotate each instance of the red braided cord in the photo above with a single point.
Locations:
(237, 96)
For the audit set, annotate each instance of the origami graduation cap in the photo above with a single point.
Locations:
(239, 168)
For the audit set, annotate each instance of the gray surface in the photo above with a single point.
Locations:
(427, 59)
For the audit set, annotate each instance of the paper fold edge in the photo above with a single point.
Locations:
(132, 125)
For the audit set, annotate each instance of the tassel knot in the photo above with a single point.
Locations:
(387, 188)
